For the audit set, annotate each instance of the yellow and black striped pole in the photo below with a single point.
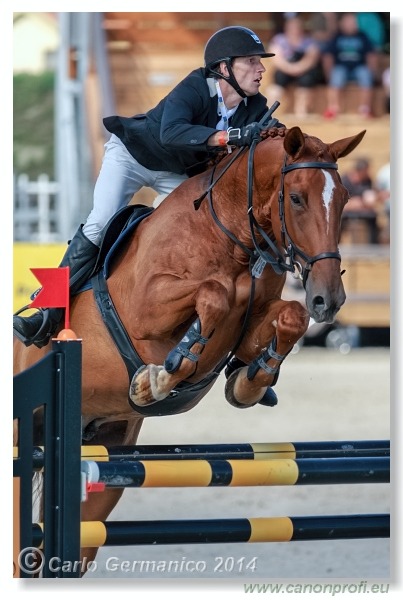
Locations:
(211, 473)
(251, 451)
(243, 451)
(210, 531)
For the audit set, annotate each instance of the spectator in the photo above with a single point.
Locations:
(357, 180)
(349, 57)
(386, 88)
(382, 186)
(296, 61)
(373, 26)
(322, 27)
(361, 205)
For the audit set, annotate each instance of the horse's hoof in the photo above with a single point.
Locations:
(143, 387)
(229, 392)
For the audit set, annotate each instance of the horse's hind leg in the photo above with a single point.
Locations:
(153, 383)
(276, 335)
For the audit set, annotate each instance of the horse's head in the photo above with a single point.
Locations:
(311, 201)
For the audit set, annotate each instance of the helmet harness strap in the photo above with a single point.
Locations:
(231, 78)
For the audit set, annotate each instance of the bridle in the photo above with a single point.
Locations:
(281, 262)
(292, 249)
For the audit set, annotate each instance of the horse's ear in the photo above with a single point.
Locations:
(346, 145)
(294, 141)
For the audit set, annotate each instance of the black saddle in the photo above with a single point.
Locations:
(117, 231)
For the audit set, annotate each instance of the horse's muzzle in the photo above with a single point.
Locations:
(323, 305)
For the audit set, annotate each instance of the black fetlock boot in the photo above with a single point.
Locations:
(39, 328)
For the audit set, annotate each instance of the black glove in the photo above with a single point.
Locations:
(244, 136)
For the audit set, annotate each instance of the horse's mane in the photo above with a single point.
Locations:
(273, 132)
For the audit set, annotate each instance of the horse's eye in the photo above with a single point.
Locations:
(295, 199)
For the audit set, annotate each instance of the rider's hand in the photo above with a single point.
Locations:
(244, 136)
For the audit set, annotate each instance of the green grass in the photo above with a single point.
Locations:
(33, 120)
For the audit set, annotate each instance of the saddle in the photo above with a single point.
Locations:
(118, 228)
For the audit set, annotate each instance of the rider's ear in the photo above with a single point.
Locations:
(223, 68)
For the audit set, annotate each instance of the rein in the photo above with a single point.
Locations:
(200, 199)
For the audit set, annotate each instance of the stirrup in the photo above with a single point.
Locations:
(19, 311)
(47, 328)
(27, 337)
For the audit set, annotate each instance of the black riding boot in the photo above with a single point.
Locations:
(80, 256)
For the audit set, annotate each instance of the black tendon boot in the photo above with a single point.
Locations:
(39, 328)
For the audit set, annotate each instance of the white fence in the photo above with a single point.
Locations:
(36, 209)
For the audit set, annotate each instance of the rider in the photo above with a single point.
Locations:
(213, 106)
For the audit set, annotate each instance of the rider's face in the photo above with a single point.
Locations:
(248, 71)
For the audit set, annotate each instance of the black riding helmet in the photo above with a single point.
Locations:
(229, 43)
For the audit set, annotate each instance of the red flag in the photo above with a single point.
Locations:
(55, 291)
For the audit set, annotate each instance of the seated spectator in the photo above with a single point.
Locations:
(322, 26)
(357, 180)
(382, 186)
(386, 88)
(361, 205)
(349, 57)
(373, 26)
(296, 61)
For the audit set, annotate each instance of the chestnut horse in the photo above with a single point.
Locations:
(200, 282)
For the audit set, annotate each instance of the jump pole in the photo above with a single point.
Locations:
(210, 531)
(204, 473)
(244, 451)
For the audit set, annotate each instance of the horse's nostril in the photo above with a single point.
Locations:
(318, 302)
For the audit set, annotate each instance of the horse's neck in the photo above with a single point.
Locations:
(237, 198)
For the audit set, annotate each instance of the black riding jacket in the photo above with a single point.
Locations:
(173, 135)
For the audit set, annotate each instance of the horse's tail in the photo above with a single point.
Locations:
(37, 497)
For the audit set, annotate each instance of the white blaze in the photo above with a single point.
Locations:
(327, 194)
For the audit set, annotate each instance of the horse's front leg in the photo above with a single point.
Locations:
(275, 336)
(153, 383)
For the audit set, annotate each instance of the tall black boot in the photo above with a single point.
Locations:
(39, 328)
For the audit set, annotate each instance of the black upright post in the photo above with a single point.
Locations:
(54, 383)
(63, 435)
